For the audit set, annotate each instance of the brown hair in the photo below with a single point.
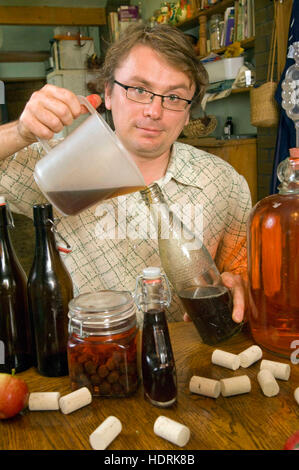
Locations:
(166, 40)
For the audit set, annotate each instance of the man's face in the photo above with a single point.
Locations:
(148, 130)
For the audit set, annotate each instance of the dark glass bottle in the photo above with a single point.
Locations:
(50, 289)
(228, 127)
(15, 332)
(158, 365)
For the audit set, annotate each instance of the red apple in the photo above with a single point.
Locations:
(293, 442)
(14, 395)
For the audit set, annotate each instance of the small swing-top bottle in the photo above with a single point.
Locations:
(152, 296)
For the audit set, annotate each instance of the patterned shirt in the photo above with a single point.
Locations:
(114, 240)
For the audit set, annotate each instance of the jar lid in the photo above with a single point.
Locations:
(102, 312)
(151, 272)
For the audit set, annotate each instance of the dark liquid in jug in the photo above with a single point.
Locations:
(159, 379)
(210, 309)
(73, 202)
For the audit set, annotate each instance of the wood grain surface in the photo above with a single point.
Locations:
(244, 422)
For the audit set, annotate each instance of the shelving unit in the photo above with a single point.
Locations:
(201, 18)
(213, 10)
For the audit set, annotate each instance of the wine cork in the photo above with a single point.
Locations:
(226, 359)
(105, 433)
(75, 400)
(250, 355)
(172, 431)
(268, 383)
(235, 386)
(204, 386)
(280, 370)
(41, 401)
(296, 395)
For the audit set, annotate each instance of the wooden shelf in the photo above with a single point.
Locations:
(246, 44)
(235, 91)
(23, 56)
(218, 8)
(43, 15)
(241, 90)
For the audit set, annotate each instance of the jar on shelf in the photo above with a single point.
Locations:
(215, 32)
(102, 346)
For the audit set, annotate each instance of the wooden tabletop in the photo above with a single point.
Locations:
(249, 421)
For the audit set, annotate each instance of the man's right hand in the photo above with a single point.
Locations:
(49, 110)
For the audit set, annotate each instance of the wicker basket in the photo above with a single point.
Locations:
(263, 107)
(200, 127)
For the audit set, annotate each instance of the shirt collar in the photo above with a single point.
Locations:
(186, 166)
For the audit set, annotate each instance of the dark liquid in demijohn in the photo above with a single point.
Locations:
(73, 202)
(210, 309)
(158, 366)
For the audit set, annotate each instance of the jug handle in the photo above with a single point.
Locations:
(84, 102)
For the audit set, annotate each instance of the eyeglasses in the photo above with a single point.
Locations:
(140, 95)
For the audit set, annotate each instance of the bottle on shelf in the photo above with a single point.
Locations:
(152, 296)
(15, 327)
(192, 272)
(50, 289)
(215, 32)
(273, 263)
(228, 128)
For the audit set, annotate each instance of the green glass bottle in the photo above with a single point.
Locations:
(50, 289)
(15, 329)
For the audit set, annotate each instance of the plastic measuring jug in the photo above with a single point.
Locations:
(89, 165)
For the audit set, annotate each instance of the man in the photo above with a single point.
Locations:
(151, 77)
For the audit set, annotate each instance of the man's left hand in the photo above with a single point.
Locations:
(238, 288)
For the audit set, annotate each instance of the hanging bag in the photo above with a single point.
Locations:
(263, 107)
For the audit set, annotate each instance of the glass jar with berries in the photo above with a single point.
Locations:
(102, 346)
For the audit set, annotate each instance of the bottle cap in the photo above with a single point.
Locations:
(151, 272)
(2, 200)
(42, 213)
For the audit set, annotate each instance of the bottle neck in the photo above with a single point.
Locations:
(4, 224)
(153, 195)
(45, 240)
(288, 173)
(153, 295)
(7, 252)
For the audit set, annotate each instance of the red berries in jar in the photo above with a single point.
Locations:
(102, 346)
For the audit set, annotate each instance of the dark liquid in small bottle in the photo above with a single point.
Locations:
(73, 202)
(158, 366)
(210, 308)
